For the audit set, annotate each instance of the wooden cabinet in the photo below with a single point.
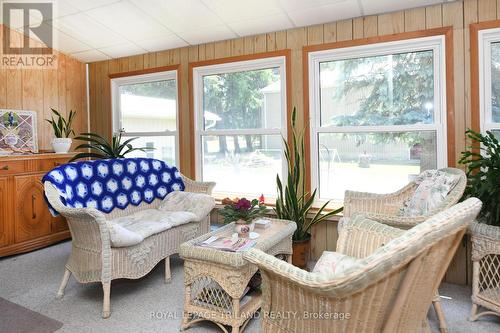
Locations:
(4, 232)
(25, 222)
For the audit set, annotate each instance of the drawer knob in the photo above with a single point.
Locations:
(6, 167)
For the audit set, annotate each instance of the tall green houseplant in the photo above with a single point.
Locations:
(294, 203)
(482, 160)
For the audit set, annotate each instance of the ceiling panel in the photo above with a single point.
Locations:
(68, 44)
(261, 25)
(325, 13)
(233, 11)
(83, 28)
(161, 43)
(180, 15)
(383, 6)
(118, 17)
(122, 50)
(90, 56)
(207, 35)
(83, 5)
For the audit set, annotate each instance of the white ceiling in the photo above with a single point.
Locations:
(92, 30)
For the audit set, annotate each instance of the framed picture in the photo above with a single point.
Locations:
(18, 132)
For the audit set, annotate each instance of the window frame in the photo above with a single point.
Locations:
(435, 42)
(138, 78)
(485, 37)
(198, 70)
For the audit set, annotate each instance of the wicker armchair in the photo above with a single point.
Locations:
(92, 257)
(384, 208)
(389, 291)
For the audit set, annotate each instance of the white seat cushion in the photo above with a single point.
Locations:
(197, 203)
(133, 229)
(332, 263)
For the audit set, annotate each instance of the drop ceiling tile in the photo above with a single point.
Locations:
(291, 5)
(383, 6)
(122, 50)
(206, 35)
(179, 15)
(83, 5)
(323, 14)
(261, 25)
(160, 43)
(128, 20)
(68, 44)
(90, 56)
(233, 11)
(83, 28)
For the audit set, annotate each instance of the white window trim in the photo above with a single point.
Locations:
(231, 67)
(435, 43)
(144, 78)
(485, 38)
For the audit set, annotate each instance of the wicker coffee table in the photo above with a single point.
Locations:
(216, 281)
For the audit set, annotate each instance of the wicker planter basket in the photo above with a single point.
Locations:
(486, 269)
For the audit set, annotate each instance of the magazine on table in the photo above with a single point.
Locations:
(231, 244)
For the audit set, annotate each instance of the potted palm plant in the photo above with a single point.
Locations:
(100, 148)
(62, 130)
(482, 160)
(293, 202)
(243, 213)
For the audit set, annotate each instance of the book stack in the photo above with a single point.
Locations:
(228, 244)
(262, 224)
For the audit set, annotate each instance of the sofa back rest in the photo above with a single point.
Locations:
(114, 183)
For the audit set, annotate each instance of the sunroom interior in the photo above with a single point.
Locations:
(250, 166)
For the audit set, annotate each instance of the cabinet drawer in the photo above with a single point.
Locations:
(11, 167)
(47, 165)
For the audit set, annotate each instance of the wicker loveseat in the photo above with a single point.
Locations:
(389, 290)
(94, 257)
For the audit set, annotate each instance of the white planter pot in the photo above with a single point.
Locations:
(61, 145)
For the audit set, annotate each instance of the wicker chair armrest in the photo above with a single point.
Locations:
(387, 204)
(360, 236)
(398, 221)
(198, 187)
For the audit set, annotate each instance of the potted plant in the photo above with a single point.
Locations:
(482, 160)
(243, 212)
(293, 202)
(62, 131)
(102, 149)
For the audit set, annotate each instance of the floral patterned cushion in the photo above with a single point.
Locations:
(433, 187)
(332, 263)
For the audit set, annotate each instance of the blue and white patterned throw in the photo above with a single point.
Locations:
(115, 183)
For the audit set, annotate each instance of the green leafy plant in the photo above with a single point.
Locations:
(62, 127)
(293, 202)
(483, 174)
(243, 209)
(102, 149)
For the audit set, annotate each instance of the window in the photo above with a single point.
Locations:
(378, 115)
(489, 80)
(145, 106)
(240, 119)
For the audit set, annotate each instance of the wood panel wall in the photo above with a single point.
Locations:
(457, 14)
(40, 90)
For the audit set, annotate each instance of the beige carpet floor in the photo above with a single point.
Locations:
(147, 305)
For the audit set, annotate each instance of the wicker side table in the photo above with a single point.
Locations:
(215, 281)
(485, 269)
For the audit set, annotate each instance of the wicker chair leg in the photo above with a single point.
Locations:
(64, 282)
(440, 314)
(473, 313)
(168, 275)
(106, 306)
